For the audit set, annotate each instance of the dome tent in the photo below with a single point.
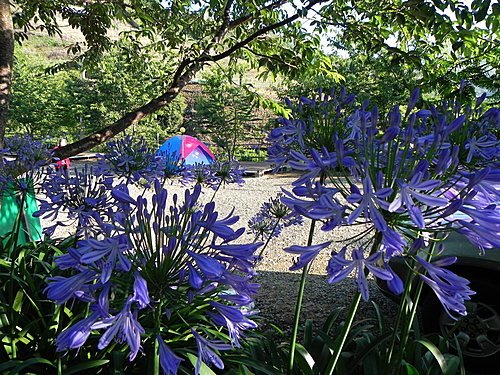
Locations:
(187, 149)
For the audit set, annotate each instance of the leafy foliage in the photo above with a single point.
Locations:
(363, 352)
(73, 103)
(279, 36)
(225, 109)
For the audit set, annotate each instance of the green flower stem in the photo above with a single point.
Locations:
(13, 265)
(298, 304)
(408, 321)
(156, 358)
(156, 355)
(406, 315)
(341, 339)
(408, 324)
(339, 343)
(402, 310)
(268, 238)
(215, 192)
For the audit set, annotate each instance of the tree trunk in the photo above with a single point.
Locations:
(6, 59)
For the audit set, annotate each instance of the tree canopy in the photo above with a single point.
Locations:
(437, 39)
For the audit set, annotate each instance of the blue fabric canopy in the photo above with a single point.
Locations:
(186, 149)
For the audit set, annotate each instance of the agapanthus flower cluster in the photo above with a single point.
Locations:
(82, 195)
(131, 160)
(216, 174)
(272, 217)
(404, 177)
(165, 260)
(172, 166)
(21, 161)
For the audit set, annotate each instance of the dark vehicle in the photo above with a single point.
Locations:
(478, 333)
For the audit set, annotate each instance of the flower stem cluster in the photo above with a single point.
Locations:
(403, 177)
(407, 179)
(164, 272)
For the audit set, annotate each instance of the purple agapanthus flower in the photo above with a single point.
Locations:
(61, 289)
(21, 161)
(141, 293)
(207, 352)
(233, 318)
(76, 335)
(82, 195)
(339, 268)
(121, 327)
(393, 243)
(485, 147)
(227, 172)
(416, 189)
(368, 203)
(108, 254)
(168, 360)
(272, 217)
(451, 289)
(160, 249)
(210, 267)
(318, 164)
(357, 124)
(306, 254)
(317, 202)
(131, 160)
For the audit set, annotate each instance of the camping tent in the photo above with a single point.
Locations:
(188, 149)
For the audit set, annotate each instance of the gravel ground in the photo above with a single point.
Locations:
(279, 286)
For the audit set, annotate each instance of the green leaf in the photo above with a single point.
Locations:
(304, 360)
(483, 10)
(308, 333)
(28, 363)
(411, 370)
(452, 365)
(254, 364)
(8, 365)
(457, 45)
(204, 369)
(18, 301)
(330, 321)
(435, 352)
(85, 366)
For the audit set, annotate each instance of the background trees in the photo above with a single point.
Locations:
(436, 42)
(75, 102)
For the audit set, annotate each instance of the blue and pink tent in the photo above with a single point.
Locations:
(187, 149)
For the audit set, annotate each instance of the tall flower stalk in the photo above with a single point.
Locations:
(405, 178)
(298, 304)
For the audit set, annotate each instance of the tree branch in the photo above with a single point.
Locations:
(133, 117)
(274, 58)
(184, 73)
(258, 33)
